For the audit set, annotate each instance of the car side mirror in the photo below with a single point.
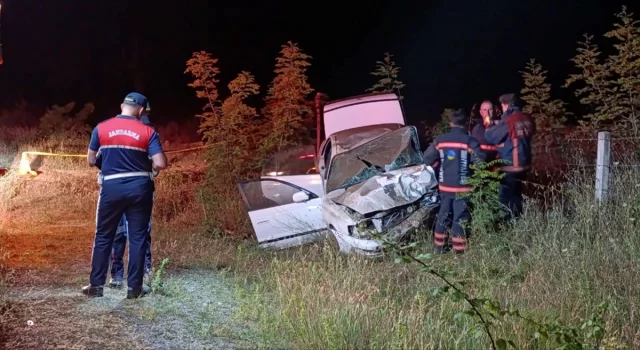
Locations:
(300, 197)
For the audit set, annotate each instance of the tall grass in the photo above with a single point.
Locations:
(6, 183)
(549, 265)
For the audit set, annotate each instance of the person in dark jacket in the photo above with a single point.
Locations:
(453, 152)
(478, 131)
(513, 135)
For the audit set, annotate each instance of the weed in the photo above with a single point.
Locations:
(573, 280)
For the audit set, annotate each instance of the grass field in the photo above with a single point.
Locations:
(226, 293)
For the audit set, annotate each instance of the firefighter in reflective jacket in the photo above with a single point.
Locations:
(453, 152)
(513, 135)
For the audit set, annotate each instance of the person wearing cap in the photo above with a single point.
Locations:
(125, 145)
(512, 135)
(120, 241)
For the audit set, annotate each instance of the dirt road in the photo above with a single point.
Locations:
(50, 240)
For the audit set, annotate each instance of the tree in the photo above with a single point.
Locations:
(625, 64)
(596, 80)
(287, 108)
(388, 72)
(239, 127)
(204, 69)
(610, 85)
(548, 114)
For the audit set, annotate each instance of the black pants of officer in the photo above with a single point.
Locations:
(132, 196)
(451, 217)
(511, 193)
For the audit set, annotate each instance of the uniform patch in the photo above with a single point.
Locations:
(124, 132)
(451, 154)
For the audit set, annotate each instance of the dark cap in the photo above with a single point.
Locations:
(508, 99)
(135, 99)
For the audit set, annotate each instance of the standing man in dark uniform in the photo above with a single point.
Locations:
(478, 131)
(120, 241)
(453, 152)
(512, 134)
(125, 145)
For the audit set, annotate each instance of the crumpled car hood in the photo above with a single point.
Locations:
(387, 190)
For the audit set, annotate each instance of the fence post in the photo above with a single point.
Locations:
(603, 162)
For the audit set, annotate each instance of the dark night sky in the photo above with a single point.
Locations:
(452, 53)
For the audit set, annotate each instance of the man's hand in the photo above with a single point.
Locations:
(91, 157)
(159, 161)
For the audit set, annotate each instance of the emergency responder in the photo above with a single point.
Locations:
(487, 119)
(127, 188)
(120, 241)
(512, 134)
(453, 152)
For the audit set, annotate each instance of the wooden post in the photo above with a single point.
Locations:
(319, 97)
(603, 164)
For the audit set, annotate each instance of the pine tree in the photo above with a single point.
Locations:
(287, 107)
(625, 64)
(610, 85)
(240, 126)
(204, 70)
(548, 114)
(388, 72)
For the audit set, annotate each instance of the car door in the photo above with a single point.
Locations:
(279, 221)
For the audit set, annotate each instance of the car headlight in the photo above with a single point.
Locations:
(361, 230)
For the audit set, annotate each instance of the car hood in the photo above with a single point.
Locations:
(388, 190)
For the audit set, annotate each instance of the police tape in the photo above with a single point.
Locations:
(25, 166)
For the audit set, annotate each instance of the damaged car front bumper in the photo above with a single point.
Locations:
(385, 207)
(360, 237)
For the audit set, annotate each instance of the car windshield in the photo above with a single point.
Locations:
(394, 150)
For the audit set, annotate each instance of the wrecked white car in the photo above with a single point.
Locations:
(376, 185)
(368, 181)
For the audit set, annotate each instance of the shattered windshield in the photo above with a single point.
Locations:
(391, 151)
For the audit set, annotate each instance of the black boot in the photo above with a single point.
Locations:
(93, 291)
(441, 249)
(134, 293)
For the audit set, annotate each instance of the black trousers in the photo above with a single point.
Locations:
(132, 197)
(511, 193)
(453, 214)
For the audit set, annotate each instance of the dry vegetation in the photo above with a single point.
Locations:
(550, 265)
